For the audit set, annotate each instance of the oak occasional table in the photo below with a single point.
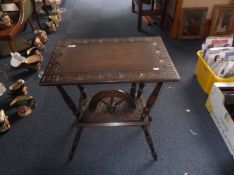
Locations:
(136, 61)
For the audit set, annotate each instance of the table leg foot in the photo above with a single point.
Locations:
(150, 142)
(75, 143)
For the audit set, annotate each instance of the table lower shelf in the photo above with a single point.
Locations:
(102, 124)
(122, 116)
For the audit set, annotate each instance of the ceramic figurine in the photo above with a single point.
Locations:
(50, 26)
(38, 43)
(58, 13)
(33, 62)
(18, 88)
(24, 105)
(41, 34)
(4, 122)
(34, 51)
(2, 89)
(55, 19)
(5, 20)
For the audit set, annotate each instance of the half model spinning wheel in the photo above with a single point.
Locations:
(112, 100)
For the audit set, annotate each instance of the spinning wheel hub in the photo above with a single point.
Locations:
(113, 99)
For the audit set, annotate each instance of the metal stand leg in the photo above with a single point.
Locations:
(75, 143)
(150, 142)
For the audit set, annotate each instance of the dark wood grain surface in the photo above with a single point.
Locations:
(109, 60)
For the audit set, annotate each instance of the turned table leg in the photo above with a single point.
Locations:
(133, 90)
(80, 102)
(150, 142)
(150, 102)
(75, 143)
(67, 99)
(140, 89)
(82, 91)
(76, 111)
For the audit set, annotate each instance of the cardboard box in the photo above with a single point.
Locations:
(222, 118)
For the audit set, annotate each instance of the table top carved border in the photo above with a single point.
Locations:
(53, 77)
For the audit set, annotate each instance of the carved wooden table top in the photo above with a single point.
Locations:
(109, 60)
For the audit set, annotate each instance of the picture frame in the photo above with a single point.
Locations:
(191, 23)
(223, 20)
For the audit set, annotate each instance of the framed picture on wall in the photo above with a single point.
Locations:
(191, 22)
(222, 20)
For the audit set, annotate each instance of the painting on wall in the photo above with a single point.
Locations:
(222, 20)
(192, 22)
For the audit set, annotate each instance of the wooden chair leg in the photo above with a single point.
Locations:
(139, 15)
(152, 4)
(11, 44)
(133, 6)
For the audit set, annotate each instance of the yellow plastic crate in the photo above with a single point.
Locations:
(205, 76)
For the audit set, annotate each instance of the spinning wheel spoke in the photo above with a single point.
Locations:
(104, 102)
(112, 103)
(112, 99)
(119, 102)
